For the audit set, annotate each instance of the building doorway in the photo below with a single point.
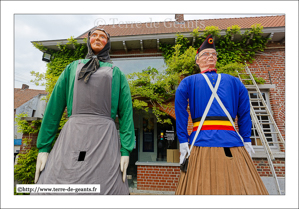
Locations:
(166, 139)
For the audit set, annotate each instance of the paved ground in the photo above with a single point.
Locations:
(135, 191)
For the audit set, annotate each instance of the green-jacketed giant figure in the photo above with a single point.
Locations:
(88, 149)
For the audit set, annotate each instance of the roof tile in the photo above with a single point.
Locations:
(22, 96)
(171, 27)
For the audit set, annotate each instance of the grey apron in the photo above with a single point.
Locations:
(92, 131)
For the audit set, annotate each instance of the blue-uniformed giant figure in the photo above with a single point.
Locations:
(219, 163)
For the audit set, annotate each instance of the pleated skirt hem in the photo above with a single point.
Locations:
(220, 171)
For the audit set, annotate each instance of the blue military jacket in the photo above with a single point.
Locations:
(233, 95)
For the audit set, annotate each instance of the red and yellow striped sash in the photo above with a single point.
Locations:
(214, 125)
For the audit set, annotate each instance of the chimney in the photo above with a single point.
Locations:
(179, 18)
(24, 86)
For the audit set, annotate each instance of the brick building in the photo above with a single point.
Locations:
(31, 102)
(136, 46)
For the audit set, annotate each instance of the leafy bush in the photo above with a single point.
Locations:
(182, 62)
(68, 53)
(24, 170)
(25, 127)
(151, 88)
(229, 49)
(234, 68)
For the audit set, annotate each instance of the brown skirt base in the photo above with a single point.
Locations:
(212, 172)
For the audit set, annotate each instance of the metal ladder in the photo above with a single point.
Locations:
(258, 123)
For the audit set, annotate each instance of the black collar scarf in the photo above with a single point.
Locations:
(93, 64)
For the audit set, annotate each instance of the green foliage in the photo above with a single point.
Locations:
(235, 29)
(182, 62)
(151, 89)
(26, 128)
(24, 170)
(231, 69)
(66, 54)
(169, 49)
(256, 29)
(213, 30)
(21, 124)
(229, 49)
(231, 52)
(199, 39)
(234, 68)
(39, 77)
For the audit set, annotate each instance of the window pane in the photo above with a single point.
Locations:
(131, 65)
(253, 95)
(148, 134)
(267, 128)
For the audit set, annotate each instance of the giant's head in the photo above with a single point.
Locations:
(98, 39)
(206, 56)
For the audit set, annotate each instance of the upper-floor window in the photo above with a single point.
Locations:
(137, 64)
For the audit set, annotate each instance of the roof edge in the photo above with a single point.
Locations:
(153, 36)
(189, 20)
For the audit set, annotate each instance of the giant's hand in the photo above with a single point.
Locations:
(124, 162)
(184, 148)
(40, 164)
(249, 148)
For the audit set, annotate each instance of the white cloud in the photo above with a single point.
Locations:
(34, 27)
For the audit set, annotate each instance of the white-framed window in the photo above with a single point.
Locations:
(262, 117)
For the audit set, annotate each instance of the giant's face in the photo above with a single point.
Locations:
(207, 59)
(98, 40)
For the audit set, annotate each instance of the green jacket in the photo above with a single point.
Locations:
(62, 96)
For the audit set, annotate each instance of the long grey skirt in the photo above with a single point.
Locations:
(92, 131)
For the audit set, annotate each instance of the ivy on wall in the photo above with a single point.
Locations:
(230, 49)
(66, 54)
(154, 89)
(24, 127)
(180, 62)
(151, 88)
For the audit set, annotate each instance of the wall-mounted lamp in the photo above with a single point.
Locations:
(46, 57)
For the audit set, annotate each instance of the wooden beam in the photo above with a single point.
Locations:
(125, 47)
(141, 45)
(193, 40)
(251, 36)
(270, 36)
